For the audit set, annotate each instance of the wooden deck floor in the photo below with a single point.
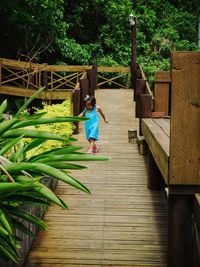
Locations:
(121, 223)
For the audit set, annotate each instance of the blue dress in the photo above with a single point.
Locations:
(91, 125)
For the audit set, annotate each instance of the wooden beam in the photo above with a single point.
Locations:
(143, 106)
(56, 95)
(113, 69)
(155, 178)
(158, 142)
(84, 84)
(185, 119)
(180, 230)
(162, 92)
(61, 68)
(76, 107)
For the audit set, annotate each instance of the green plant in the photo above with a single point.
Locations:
(64, 129)
(20, 174)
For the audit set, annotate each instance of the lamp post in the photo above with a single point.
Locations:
(132, 20)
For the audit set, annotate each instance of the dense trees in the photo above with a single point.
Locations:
(87, 31)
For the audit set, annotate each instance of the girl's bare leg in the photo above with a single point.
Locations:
(92, 145)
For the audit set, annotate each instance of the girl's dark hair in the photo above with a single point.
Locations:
(90, 99)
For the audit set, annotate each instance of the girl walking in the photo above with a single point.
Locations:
(92, 124)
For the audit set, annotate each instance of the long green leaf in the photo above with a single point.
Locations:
(70, 157)
(4, 219)
(9, 145)
(6, 125)
(33, 134)
(33, 122)
(66, 166)
(57, 151)
(47, 193)
(45, 169)
(43, 191)
(3, 231)
(35, 95)
(20, 226)
(3, 106)
(19, 198)
(7, 252)
(9, 245)
(34, 144)
(14, 187)
(21, 213)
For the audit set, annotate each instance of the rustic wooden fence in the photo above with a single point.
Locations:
(113, 77)
(22, 79)
(173, 140)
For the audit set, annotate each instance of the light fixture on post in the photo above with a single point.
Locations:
(132, 20)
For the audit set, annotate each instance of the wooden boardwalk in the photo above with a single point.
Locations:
(121, 223)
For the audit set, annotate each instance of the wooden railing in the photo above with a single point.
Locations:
(19, 78)
(113, 77)
(174, 152)
(23, 78)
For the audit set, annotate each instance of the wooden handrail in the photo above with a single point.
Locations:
(147, 84)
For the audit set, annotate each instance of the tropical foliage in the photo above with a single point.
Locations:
(97, 31)
(20, 174)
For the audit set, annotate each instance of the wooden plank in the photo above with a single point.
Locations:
(143, 106)
(164, 124)
(61, 94)
(158, 143)
(67, 68)
(19, 64)
(163, 77)
(185, 119)
(161, 97)
(121, 223)
(155, 179)
(148, 89)
(113, 69)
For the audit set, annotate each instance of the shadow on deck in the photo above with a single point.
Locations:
(121, 223)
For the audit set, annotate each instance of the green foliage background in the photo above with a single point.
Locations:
(97, 31)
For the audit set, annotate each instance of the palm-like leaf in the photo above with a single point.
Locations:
(26, 172)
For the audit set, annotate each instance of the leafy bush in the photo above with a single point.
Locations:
(64, 129)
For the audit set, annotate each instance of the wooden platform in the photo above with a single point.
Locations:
(121, 223)
(157, 135)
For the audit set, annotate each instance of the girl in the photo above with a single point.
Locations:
(91, 125)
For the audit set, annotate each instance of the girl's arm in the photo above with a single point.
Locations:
(102, 114)
(81, 114)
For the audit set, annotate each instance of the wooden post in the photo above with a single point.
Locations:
(84, 85)
(135, 74)
(162, 92)
(140, 88)
(95, 76)
(143, 106)
(155, 178)
(134, 40)
(76, 107)
(180, 231)
(185, 119)
(44, 78)
(92, 76)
